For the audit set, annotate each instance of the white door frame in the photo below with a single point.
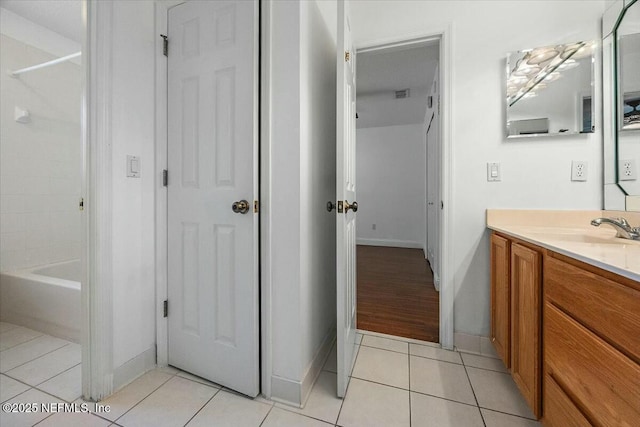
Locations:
(447, 284)
(97, 287)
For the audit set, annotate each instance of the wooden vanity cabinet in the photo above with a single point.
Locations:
(526, 333)
(591, 345)
(516, 293)
(501, 297)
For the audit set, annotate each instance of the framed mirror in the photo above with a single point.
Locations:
(550, 90)
(621, 90)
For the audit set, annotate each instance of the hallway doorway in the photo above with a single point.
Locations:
(397, 171)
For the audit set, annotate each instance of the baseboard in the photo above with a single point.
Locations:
(476, 344)
(295, 393)
(135, 367)
(390, 243)
(286, 391)
(315, 367)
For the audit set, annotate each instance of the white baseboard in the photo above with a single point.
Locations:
(295, 393)
(476, 344)
(390, 243)
(135, 367)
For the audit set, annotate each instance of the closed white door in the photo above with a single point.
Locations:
(213, 157)
(346, 196)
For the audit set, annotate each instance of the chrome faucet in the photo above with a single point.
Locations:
(623, 229)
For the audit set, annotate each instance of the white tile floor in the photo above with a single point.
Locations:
(394, 383)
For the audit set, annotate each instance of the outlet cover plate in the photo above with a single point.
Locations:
(579, 170)
(627, 170)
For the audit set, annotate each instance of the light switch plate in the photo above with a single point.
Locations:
(493, 172)
(133, 167)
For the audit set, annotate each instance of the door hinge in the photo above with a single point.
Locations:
(347, 56)
(256, 206)
(81, 204)
(165, 178)
(165, 45)
(441, 204)
(165, 308)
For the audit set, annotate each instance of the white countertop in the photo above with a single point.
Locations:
(570, 233)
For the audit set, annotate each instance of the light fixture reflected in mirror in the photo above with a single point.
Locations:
(549, 90)
(543, 64)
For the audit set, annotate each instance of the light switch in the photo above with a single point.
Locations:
(493, 171)
(133, 167)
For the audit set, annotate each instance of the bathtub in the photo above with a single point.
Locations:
(45, 298)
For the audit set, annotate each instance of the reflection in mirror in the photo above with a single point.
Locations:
(550, 90)
(627, 40)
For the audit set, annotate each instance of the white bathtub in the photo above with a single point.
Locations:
(45, 298)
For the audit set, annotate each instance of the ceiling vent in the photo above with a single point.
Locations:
(401, 94)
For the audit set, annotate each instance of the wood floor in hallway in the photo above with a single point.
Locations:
(396, 295)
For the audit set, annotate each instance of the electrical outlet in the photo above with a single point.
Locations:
(627, 170)
(373, 226)
(578, 170)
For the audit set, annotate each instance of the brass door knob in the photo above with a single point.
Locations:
(353, 206)
(330, 206)
(241, 207)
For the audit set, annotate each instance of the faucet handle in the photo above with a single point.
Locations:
(624, 222)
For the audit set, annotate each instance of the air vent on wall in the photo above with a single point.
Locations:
(401, 94)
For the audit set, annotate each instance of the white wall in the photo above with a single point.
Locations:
(40, 160)
(536, 172)
(132, 132)
(391, 175)
(302, 180)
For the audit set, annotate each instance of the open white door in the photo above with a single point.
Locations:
(212, 161)
(345, 194)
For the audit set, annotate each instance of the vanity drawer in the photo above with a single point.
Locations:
(607, 307)
(603, 382)
(559, 410)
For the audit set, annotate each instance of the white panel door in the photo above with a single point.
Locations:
(346, 196)
(433, 189)
(213, 153)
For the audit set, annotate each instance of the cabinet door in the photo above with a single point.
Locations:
(526, 291)
(500, 298)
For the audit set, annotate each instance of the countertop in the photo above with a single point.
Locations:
(570, 233)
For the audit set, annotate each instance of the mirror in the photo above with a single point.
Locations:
(621, 89)
(550, 90)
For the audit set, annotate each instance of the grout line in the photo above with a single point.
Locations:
(508, 413)
(437, 360)
(349, 383)
(409, 365)
(55, 376)
(20, 343)
(43, 354)
(398, 338)
(39, 357)
(267, 416)
(444, 398)
(304, 415)
(385, 349)
(144, 398)
(474, 394)
(202, 407)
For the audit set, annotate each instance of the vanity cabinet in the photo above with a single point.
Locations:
(501, 297)
(573, 341)
(591, 345)
(516, 292)
(526, 295)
